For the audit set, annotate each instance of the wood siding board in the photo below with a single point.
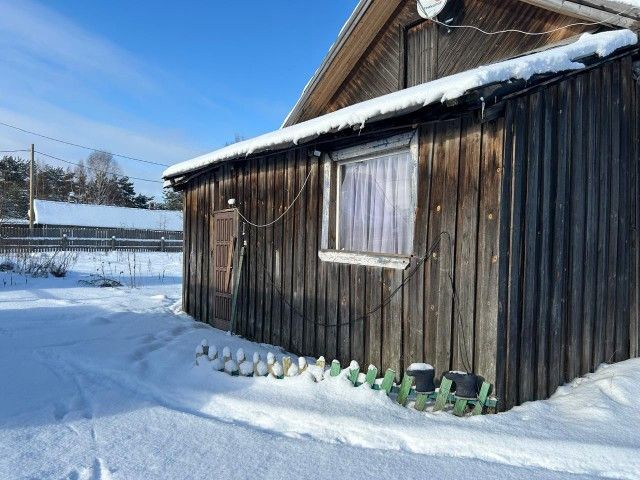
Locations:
(548, 173)
(299, 319)
(578, 223)
(504, 259)
(559, 305)
(344, 317)
(622, 300)
(487, 306)
(252, 203)
(447, 261)
(261, 249)
(466, 239)
(610, 347)
(333, 309)
(374, 336)
(358, 305)
(531, 283)
(311, 256)
(435, 237)
(287, 258)
(279, 260)
(392, 321)
(269, 261)
(186, 253)
(593, 200)
(414, 338)
(199, 248)
(634, 283)
(517, 199)
(604, 182)
(209, 248)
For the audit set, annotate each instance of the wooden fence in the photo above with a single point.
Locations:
(43, 238)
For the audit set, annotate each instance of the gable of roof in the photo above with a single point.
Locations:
(103, 216)
(370, 16)
(554, 60)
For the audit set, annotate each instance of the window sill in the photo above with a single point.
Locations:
(397, 262)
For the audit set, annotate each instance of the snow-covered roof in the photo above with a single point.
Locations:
(558, 59)
(104, 216)
(13, 221)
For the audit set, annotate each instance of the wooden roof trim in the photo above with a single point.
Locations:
(592, 14)
(344, 34)
(361, 29)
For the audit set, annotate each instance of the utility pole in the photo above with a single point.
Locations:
(32, 175)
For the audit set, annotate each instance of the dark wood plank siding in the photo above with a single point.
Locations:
(290, 298)
(569, 196)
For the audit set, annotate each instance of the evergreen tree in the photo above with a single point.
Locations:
(171, 200)
(14, 186)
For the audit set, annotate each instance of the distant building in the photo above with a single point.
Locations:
(105, 216)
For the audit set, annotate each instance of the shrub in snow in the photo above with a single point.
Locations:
(226, 353)
(199, 350)
(59, 265)
(354, 365)
(231, 367)
(271, 358)
(7, 266)
(256, 357)
(218, 364)
(246, 369)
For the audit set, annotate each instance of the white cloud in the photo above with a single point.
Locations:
(63, 81)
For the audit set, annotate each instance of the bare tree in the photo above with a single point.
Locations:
(102, 172)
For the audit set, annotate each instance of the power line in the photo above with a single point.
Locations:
(83, 146)
(14, 151)
(522, 32)
(107, 172)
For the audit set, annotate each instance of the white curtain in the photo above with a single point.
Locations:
(376, 209)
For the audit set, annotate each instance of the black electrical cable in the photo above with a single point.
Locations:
(99, 171)
(82, 146)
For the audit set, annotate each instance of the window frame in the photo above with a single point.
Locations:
(332, 163)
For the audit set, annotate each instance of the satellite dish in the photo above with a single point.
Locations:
(430, 9)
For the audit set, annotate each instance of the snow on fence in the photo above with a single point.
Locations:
(43, 238)
(464, 393)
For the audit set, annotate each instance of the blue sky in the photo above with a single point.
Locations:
(162, 81)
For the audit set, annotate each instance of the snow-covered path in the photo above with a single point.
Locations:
(101, 383)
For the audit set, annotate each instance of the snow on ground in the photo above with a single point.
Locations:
(102, 384)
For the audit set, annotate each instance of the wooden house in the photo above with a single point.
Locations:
(440, 192)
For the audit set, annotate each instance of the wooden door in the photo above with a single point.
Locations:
(225, 234)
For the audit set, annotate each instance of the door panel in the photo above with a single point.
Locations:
(225, 233)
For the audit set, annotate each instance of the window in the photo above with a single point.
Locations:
(374, 203)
